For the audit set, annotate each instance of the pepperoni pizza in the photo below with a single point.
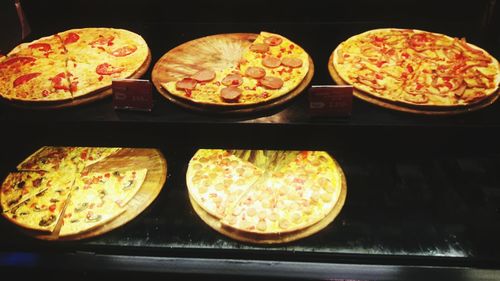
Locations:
(416, 67)
(271, 67)
(70, 64)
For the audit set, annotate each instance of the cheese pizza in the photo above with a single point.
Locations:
(416, 67)
(271, 192)
(269, 68)
(70, 64)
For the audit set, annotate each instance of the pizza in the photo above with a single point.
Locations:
(93, 212)
(86, 156)
(98, 198)
(216, 179)
(43, 210)
(121, 186)
(54, 187)
(70, 64)
(416, 67)
(270, 67)
(47, 158)
(264, 192)
(20, 186)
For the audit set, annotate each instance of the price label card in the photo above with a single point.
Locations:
(132, 94)
(330, 101)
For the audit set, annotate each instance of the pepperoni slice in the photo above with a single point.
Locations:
(255, 72)
(271, 62)
(71, 38)
(233, 80)
(12, 61)
(124, 51)
(25, 78)
(273, 40)
(186, 84)
(43, 47)
(292, 62)
(204, 75)
(108, 69)
(272, 83)
(230, 94)
(259, 48)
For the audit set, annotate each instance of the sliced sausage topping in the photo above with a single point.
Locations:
(230, 94)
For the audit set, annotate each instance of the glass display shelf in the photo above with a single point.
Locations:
(423, 192)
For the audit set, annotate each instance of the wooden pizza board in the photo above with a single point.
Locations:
(214, 52)
(125, 159)
(85, 99)
(425, 110)
(214, 223)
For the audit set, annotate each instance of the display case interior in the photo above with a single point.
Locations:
(423, 192)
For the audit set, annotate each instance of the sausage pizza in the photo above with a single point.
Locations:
(269, 68)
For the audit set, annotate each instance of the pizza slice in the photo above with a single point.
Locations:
(47, 158)
(18, 187)
(273, 66)
(86, 156)
(29, 78)
(119, 186)
(96, 154)
(42, 211)
(122, 50)
(91, 205)
(129, 51)
(10, 67)
(49, 47)
(308, 188)
(86, 45)
(216, 180)
(256, 211)
(87, 78)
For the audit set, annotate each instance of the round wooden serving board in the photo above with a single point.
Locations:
(215, 52)
(85, 99)
(425, 110)
(214, 223)
(125, 159)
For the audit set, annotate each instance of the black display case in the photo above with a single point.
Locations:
(423, 192)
